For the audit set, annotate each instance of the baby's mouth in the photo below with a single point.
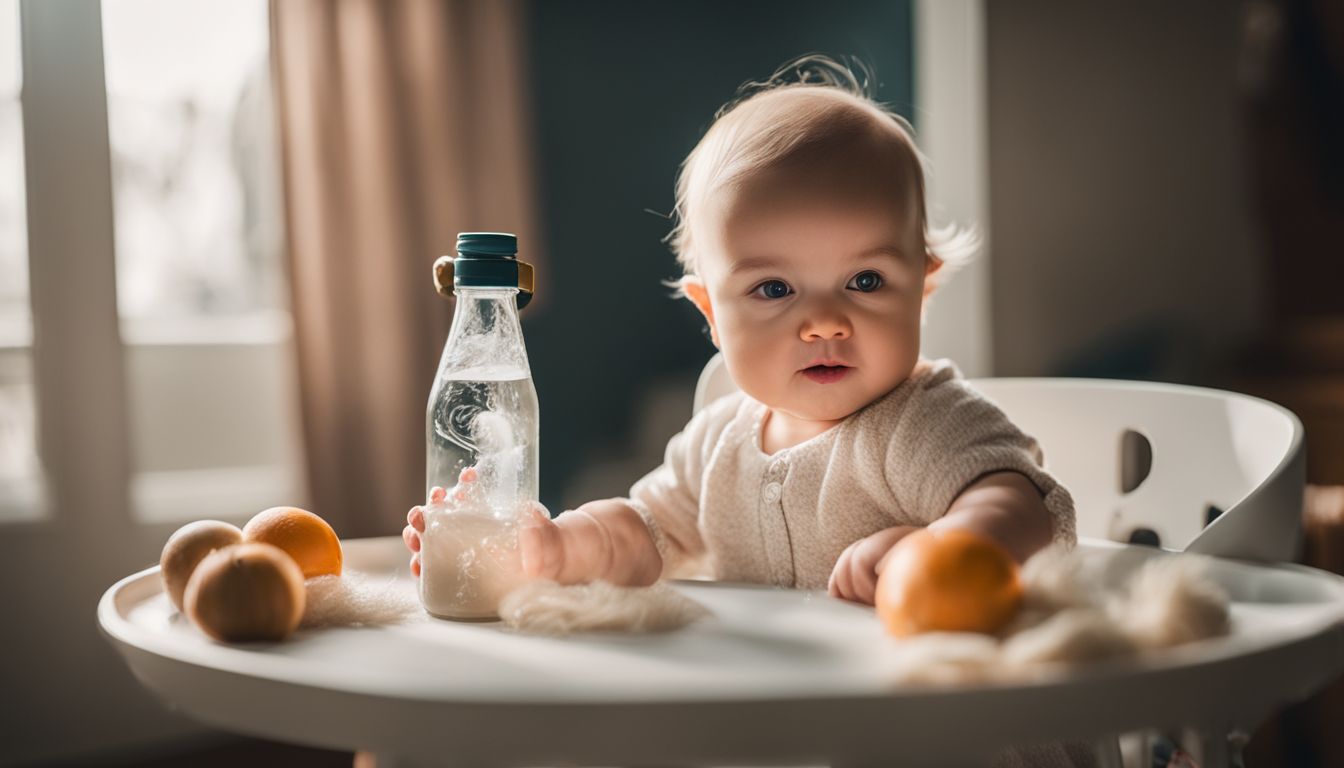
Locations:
(826, 374)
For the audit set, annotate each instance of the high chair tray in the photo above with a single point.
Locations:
(782, 676)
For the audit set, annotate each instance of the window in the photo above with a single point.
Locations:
(193, 166)
(200, 289)
(20, 471)
(195, 222)
(14, 318)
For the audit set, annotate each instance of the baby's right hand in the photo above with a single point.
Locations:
(575, 553)
(539, 540)
(415, 525)
(415, 519)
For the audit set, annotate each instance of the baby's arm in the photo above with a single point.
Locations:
(1003, 506)
(605, 540)
(602, 540)
(954, 460)
(627, 542)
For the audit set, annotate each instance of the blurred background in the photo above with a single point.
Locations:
(217, 220)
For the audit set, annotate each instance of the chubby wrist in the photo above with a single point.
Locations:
(889, 537)
(584, 546)
(608, 540)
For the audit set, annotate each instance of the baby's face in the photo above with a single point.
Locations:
(815, 284)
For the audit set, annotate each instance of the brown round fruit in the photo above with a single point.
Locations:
(187, 547)
(246, 592)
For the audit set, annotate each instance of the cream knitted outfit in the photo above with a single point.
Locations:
(784, 518)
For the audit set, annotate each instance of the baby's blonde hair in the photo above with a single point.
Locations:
(757, 131)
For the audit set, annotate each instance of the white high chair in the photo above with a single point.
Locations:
(762, 660)
(1200, 470)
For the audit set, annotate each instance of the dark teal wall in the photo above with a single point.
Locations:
(621, 92)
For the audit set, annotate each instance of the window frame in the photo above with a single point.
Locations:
(78, 351)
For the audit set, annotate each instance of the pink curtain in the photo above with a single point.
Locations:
(402, 123)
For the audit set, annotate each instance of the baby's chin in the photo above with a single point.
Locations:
(833, 402)
(839, 414)
(833, 408)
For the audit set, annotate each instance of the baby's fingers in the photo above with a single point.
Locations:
(411, 537)
(415, 565)
(862, 581)
(416, 518)
(839, 585)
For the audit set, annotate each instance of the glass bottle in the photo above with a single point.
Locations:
(481, 432)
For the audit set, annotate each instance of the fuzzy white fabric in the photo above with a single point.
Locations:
(941, 658)
(1068, 637)
(353, 600)
(1068, 618)
(539, 607)
(1170, 602)
(547, 608)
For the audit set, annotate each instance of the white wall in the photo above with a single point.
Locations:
(951, 115)
(1117, 179)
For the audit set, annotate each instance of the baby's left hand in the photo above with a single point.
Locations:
(855, 574)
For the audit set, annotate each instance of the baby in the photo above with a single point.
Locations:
(805, 243)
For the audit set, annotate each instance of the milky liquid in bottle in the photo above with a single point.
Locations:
(470, 548)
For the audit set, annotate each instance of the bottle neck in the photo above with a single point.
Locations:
(486, 334)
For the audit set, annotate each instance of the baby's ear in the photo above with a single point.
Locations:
(931, 266)
(695, 290)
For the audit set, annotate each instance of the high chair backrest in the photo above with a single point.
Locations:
(1194, 469)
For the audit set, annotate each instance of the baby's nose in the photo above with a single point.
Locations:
(825, 326)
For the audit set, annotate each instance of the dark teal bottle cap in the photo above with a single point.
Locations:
(486, 260)
(487, 244)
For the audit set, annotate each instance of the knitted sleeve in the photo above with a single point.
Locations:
(948, 436)
(668, 498)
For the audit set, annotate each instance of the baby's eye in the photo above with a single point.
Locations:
(772, 289)
(866, 281)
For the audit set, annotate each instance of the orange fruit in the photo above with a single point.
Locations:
(947, 581)
(302, 535)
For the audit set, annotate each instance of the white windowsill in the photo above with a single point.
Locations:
(231, 494)
(260, 328)
(15, 333)
(23, 499)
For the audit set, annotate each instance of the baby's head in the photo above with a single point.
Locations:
(804, 241)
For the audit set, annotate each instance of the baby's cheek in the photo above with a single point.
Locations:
(758, 374)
